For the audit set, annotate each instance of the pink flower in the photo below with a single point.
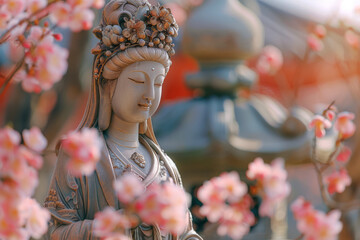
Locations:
(315, 43)
(320, 31)
(213, 193)
(60, 14)
(258, 169)
(165, 205)
(338, 181)
(270, 60)
(271, 183)
(9, 139)
(34, 139)
(352, 39)
(345, 125)
(109, 223)
(32, 159)
(83, 147)
(4, 18)
(315, 224)
(81, 19)
(35, 5)
(344, 154)
(98, 4)
(14, 7)
(128, 187)
(226, 201)
(235, 224)
(46, 63)
(34, 218)
(319, 123)
(330, 114)
(73, 14)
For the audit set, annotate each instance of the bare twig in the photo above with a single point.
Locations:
(330, 202)
(11, 75)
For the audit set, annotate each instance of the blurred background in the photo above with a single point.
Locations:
(221, 107)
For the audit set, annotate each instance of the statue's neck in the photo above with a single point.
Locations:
(124, 134)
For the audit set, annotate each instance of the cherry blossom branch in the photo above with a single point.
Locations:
(6, 35)
(11, 75)
(330, 202)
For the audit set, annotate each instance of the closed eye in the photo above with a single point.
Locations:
(158, 84)
(135, 80)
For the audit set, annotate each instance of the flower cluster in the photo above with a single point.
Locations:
(343, 123)
(18, 179)
(271, 183)
(337, 180)
(160, 204)
(270, 60)
(314, 39)
(83, 148)
(315, 224)
(44, 63)
(74, 14)
(226, 201)
(111, 224)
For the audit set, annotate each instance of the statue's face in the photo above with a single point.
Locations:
(138, 91)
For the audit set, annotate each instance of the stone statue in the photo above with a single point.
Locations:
(131, 62)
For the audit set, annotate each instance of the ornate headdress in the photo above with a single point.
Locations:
(133, 23)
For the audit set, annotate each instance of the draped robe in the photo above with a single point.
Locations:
(73, 201)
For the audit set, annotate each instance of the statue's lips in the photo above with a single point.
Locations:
(144, 106)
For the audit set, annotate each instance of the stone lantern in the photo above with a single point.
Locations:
(220, 131)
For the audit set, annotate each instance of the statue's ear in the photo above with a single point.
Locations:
(106, 91)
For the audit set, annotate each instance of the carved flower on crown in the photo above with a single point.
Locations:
(135, 31)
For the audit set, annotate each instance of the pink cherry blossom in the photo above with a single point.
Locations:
(76, 17)
(164, 205)
(81, 19)
(9, 139)
(15, 7)
(320, 31)
(315, 43)
(35, 5)
(32, 159)
(226, 201)
(33, 217)
(110, 223)
(83, 148)
(352, 39)
(270, 60)
(271, 183)
(128, 187)
(34, 139)
(46, 62)
(315, 224)
(4, 18)
(338, 181)
(344, 154)
(330, 114)
(319, 123)
(345, 125)
(98, 4)
(213, 193)
(60, 14)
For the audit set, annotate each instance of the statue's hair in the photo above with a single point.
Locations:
(117, 63)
